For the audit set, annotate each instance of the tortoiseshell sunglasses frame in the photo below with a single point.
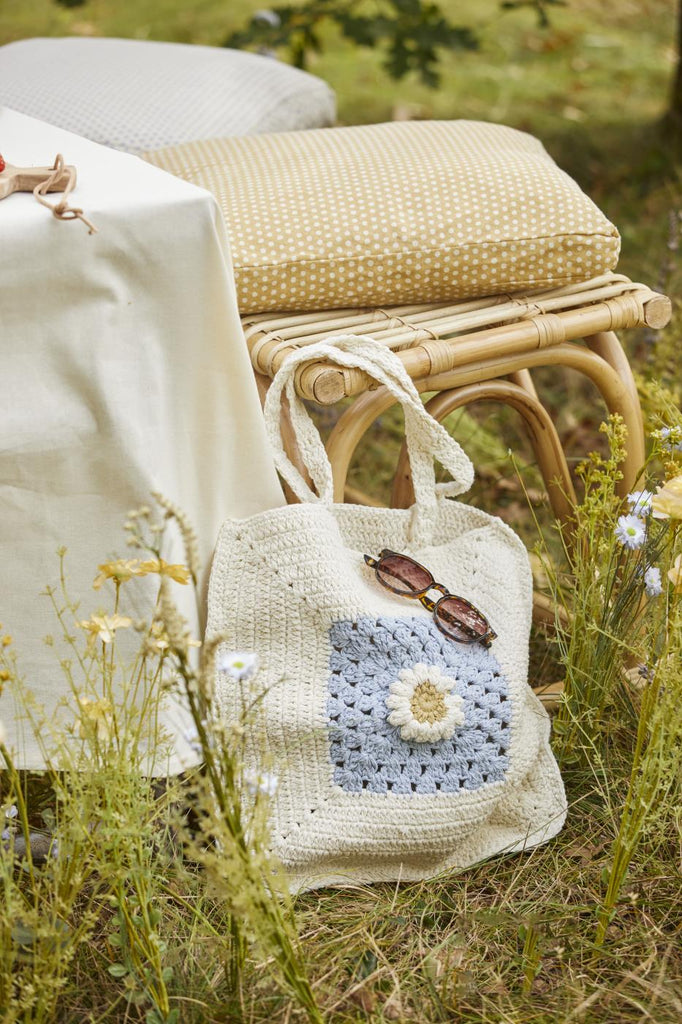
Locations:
(421, 595)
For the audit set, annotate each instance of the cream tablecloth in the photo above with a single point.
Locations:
(123, 370)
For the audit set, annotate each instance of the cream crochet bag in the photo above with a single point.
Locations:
(363, 795)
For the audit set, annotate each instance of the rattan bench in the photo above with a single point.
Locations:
(482, 349)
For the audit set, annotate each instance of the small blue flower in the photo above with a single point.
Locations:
(652, 581)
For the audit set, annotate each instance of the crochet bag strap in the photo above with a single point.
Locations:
(426, 438)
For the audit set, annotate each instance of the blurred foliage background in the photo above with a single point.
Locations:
(593, 84)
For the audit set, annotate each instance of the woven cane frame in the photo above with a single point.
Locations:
(462, 349)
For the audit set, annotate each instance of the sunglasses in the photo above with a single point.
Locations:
(454, 616)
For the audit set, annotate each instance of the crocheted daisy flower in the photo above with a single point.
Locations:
(423, 705)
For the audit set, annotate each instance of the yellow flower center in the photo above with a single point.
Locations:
(427, 703)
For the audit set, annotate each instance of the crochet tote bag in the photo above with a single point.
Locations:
(399, 752)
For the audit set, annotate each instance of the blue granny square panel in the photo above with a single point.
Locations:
(368, 753)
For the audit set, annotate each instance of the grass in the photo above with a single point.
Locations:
(586, 929)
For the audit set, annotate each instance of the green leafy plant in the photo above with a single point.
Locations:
(122, 859)
(620, 643)
(411, 33)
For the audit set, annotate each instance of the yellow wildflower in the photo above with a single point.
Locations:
(179, 573)
(675, 574)
(104, 627)
(4, 675)
(95, 718)
(6, 640)
(667, 502)
(121, 569)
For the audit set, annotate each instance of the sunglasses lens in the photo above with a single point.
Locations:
(459, 620)
(399, 573)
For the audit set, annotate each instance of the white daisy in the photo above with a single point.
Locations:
(652, 581)
(423, 705)
(640, 502)
(239, 664)
(261, 782)
(631, 531)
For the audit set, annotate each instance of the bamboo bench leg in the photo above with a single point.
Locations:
(542, 432)
(611, 381)
(524, 380)
(608, 347)
(356, 420)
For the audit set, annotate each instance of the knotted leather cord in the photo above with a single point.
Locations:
(62, 210)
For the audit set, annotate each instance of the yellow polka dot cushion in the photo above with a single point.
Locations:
(419, 211)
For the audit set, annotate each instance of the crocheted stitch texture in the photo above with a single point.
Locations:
(368, 753)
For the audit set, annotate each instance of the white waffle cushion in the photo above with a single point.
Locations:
(137, 95)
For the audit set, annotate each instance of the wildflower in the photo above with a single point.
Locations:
(667, 502)
(104, 627)
(179, 573)
(95, 718)
(261, 782)
(652, 581)
(10, 813)
(631, 531)
(671, 438)
(189, 537)
(239, 664)
(423, 706)
(675, 574)
(6, 640)
(121, 569)
(640, 502)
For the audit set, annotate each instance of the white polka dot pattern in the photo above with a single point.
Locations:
(392, 213)
(135, 95)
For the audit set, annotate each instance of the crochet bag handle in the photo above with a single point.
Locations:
(426, 438)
